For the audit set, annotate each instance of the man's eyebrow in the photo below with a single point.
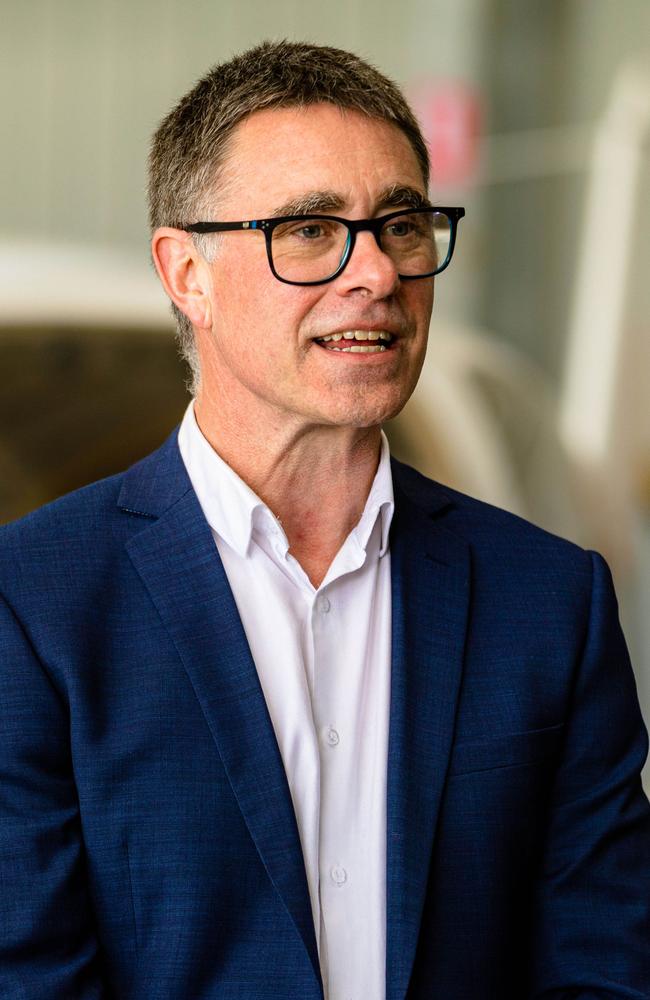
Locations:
(398, 195)
(320, 202)
(312, 201)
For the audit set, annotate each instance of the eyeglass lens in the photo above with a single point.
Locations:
(313, 249)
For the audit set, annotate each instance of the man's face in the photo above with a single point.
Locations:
(262, 354)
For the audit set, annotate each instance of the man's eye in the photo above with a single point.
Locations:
(308, 231)
(402, 227)
(311, 231)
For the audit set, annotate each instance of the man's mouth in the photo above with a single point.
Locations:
(357, 341)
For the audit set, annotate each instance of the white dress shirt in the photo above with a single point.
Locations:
(323, 660)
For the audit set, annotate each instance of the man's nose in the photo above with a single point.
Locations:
(369, 269)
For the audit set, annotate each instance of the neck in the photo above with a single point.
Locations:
(315, 479)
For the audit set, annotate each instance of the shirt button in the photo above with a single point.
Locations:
(338, 875)
(332, 737)
(324, 605)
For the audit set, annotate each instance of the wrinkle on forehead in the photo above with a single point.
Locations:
(342, 156)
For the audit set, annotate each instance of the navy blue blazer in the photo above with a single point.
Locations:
(148, 846)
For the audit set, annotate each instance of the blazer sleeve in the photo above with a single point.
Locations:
(592, 918)
(48, 947)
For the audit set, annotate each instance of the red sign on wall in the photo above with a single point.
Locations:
(450, 113)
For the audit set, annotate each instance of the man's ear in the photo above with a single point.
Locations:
(184, 273)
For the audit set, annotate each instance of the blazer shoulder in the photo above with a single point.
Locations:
(85, 504)
(489, 529)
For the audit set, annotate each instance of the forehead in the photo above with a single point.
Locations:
(279, 155)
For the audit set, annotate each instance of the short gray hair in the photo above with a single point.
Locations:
(191, 142)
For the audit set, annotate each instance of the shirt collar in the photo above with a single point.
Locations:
(234, 511)
(380, 502)
(226, 500)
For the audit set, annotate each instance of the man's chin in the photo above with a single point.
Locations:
(365, 415)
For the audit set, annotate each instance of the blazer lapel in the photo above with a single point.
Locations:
(430, 595)
(179, 564)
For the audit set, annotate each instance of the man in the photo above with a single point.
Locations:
(283, 719)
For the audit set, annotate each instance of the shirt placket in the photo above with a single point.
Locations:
(340, 871)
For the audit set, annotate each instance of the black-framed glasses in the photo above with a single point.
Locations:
(314, 249)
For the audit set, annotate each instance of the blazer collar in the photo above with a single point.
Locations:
(153, 485)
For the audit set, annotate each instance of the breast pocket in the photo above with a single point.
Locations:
(510, 750)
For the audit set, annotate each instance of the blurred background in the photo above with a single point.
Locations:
(535, 392)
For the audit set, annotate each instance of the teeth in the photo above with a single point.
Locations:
(357, 349)
(358, 335)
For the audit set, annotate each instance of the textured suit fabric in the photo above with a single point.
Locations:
(148, 846)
